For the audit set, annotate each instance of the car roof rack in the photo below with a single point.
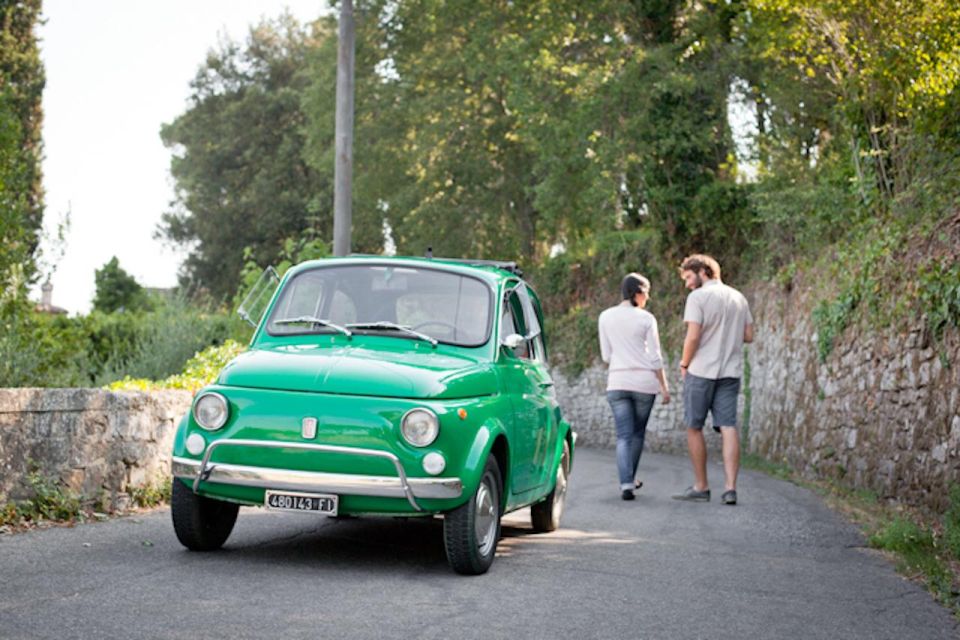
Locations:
(507, 265)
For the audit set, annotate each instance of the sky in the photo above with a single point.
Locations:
(116, 71)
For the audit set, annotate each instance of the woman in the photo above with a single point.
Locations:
(630, 344)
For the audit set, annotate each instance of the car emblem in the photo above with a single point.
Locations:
(309, 430)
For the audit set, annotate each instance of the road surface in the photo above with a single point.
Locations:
(778, 565)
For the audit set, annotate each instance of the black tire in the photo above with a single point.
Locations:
(201, 524)
(545, 516)
(469, 552)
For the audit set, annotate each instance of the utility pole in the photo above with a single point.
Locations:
(343, 168)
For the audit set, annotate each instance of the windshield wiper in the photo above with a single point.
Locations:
(315, 321)
(393, 326)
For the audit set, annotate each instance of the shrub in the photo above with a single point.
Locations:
(163, 341)
(202, 369)
(38, 350)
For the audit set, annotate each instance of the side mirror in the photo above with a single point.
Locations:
(513, 340)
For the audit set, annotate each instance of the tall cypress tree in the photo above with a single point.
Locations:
(21, 116)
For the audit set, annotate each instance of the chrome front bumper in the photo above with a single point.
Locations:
(312, 481)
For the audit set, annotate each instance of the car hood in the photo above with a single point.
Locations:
(354, 370)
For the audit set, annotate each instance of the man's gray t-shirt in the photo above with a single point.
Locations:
(723, 313)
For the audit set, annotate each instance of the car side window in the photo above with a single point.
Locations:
(512, 322)
(531, 310)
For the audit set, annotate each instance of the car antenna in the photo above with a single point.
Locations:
(429, 253)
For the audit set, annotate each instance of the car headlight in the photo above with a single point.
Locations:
(420, 427)
(211, 411)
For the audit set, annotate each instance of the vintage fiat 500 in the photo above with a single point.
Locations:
(383, 386)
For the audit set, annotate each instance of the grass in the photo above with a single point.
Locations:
(925, 548)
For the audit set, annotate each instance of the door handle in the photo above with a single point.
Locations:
(548, 383)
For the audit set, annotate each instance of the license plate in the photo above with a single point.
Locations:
(301, 502)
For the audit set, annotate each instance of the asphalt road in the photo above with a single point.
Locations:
(778, 565)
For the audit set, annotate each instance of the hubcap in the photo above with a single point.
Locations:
(560, 493)
(485, 522)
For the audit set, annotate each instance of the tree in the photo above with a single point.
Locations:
(883, 70)
(241, 180)
(523, 124)
(116, 289)
(21, 194)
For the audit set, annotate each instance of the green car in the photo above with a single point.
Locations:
(383, 386)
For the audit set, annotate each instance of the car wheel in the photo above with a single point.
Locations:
(545, 516)
(471, 531)
(201, 524)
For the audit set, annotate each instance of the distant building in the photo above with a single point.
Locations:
(46, 303)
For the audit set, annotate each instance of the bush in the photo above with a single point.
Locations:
(164, 340)
(199, 371)
(38, 350)
(42, 350)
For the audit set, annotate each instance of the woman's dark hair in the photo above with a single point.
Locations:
(634, 283)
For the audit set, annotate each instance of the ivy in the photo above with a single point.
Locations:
(939, 293)
(831, 318)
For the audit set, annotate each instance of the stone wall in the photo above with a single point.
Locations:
(583, 402)
(882, 413)
(98, 443)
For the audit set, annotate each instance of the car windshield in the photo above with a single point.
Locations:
(385, 299)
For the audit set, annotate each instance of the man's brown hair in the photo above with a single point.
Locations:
(699, 261)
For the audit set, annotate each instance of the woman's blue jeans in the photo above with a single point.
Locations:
(631, 412)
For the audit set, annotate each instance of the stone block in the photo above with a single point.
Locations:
(939, 453)
(851, 438)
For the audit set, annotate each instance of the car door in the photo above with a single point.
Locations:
(546, 402)
(524, 384)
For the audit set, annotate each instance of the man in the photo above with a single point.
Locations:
(718, 324)
(630, 343)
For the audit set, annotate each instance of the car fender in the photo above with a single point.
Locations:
(480, 449)
(565, 433)
(179, 438)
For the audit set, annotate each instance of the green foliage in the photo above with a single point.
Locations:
(16, 268)
(238, 159)
(831, 318)
(295, 250)
(165, 340)
(481, 129)
(116, 289)
(41, 350)
(916, 549)
(202, 369)
(939, 289)
(920, 548)
(951, 523)
(862, 270)
(872, 73)
(21, 89)
(50, 501)
(151, 494)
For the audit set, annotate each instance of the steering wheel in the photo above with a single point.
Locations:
(438, 323)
